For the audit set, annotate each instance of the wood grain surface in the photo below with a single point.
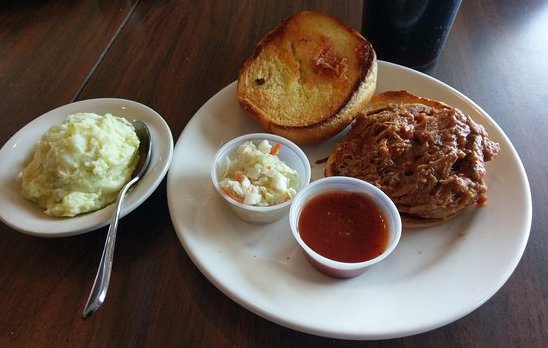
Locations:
(173, 56)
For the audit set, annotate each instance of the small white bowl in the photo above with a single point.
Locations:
(289, 153)
(340, 269)
(25, 216)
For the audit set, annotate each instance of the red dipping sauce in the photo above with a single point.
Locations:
(343, 226)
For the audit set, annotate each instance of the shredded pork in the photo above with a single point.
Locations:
(430, 162)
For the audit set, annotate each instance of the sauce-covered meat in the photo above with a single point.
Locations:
(429, 161)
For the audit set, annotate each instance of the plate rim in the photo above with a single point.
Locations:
(232, 294)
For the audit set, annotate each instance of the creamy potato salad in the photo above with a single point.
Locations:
(80, 165)
(256, 176)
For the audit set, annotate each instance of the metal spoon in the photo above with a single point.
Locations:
(100, 285)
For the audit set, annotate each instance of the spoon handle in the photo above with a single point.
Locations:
(102, 279)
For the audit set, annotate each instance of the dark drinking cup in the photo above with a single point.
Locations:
(408, 32)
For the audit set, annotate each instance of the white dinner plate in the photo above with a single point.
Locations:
(27, 217)
(435, 276)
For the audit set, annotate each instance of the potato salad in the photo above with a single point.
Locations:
(80, 165)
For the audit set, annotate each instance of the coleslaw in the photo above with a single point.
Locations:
(256, 176)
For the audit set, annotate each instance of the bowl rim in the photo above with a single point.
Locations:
(259, 137)
(389, 209)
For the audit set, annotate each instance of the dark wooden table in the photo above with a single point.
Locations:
(173, 56)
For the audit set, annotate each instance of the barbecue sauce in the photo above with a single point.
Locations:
(343, 226)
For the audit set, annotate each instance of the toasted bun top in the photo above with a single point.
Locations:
(309, 70)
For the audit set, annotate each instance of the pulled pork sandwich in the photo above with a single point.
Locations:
(428, 157)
